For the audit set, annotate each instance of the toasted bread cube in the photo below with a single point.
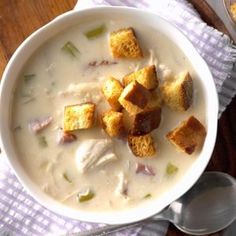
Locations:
(142, 146)
(128, 120)
(189, 135)
(146, 77)
(178, 94)
(155, 99)
(112, 90)
(146, 121)
(124, 44)
(112, 122)
(233, 10)
(80, 116)
(134, 97)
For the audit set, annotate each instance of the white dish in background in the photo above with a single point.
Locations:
(31, 44)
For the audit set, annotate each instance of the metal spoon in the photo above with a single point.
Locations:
(209, 206)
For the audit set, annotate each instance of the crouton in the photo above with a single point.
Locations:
(124, 44)
(112, 90)
(146, 121)
(189, 135)
(233, 10)
(142, 146)
(112, 122)
(134, 97)
(178, 94)
(155, 99)
(128, 120)
(79, 116)
(146, 77)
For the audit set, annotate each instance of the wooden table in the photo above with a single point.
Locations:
(19, 18)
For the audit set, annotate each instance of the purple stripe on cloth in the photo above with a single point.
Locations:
(129, 3)
(20, 212)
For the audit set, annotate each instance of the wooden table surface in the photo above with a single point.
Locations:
(19, 18)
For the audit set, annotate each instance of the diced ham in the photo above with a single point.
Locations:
(66, 137)
(144, 169)
(37, 125)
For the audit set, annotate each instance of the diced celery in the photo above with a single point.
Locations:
(30, 99)
(171, 169)
(147, 196)
(29, 77)
(86, 196)
(66, 177)
(42, 141)
(17, 128)
(70, 48)
(93, 33)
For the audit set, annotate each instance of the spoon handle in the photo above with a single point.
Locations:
(109, 229)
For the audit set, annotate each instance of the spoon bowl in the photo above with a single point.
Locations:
(209, 206)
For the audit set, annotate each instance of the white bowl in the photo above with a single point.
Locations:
(28, 47)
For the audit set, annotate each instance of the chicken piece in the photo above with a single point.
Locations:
(122, 186)
(94, 153)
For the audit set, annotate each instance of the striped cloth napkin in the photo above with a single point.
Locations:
(20, 214)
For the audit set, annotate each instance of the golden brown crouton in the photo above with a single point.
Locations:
(128, 120)
(80, 116)
(155, 99)
(178, 94)
(142, 146)
(124, 44)
(134, 97)
(146, 77)
(112, 90)
(112, 123)
(146, 121)
(233, 10)
(189, 135)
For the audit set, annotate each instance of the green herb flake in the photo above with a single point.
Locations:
(70, 48)
(17, 128)
(149, 195)
(171, 169)
(29, 77)
(66, 177)
(94, 33)
(87, 196)
(31, 99)
(42, 141)
(26, 94)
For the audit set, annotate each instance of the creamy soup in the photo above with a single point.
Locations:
(53, 78)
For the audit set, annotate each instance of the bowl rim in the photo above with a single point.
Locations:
(132, 214)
